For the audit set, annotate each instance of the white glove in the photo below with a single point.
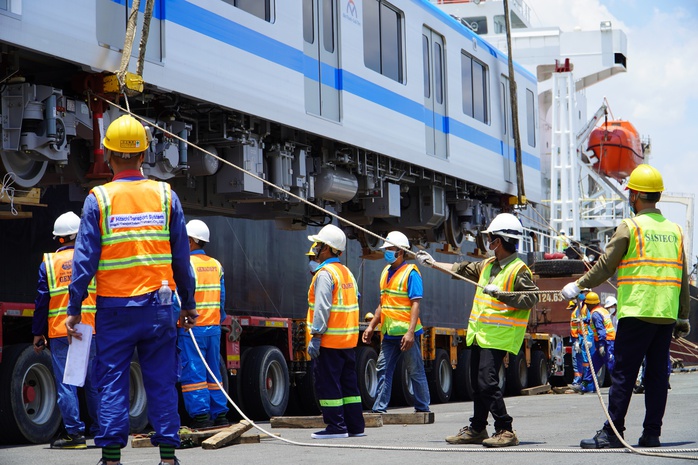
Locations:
(588, 344)
(570, 291)
(682, 328)
(576, 348)
(602, 350)
(425, 259)
(492, 289)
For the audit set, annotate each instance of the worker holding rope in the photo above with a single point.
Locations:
(497, 325)
(653, 301)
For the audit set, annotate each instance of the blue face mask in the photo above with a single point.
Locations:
(389, 256)
(313, 266)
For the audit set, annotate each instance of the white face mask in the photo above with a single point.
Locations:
(490, 252)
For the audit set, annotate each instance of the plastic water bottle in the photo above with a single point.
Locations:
(165, 293)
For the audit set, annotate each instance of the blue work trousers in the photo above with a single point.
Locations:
(487, 397)
(152, 331)
(636, 339)
(68, 402)
(412, 361)
(577, 363)
(608, 360)
(200, 392)
(337, 389)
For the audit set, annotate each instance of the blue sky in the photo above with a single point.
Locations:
(659, 93)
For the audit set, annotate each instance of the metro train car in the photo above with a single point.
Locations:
(394, 114)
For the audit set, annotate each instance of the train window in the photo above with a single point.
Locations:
(309, 21)
(383, 39)
(531, 117)
(425, 65)
(328, 25)
(438, 74)
(475, 91)
(3, 4)
(259, 8)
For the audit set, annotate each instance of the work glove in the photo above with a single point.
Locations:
(314, 347)
(602, 350)
(682, 328)
(588, 344)
(425, 259)
(492, 289)
(576, 348)
(570, 291)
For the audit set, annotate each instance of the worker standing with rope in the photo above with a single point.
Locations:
(333, 329)
(133, 238)
(653, 301)
(497, 325)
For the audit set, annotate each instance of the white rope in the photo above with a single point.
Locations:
(435, 449)
(6, 189)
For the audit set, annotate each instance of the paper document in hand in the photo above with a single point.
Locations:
(78, 357)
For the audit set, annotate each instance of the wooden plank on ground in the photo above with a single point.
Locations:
(372, 420)
(140, 440)
(415, 418)
(532, 391)
(226, 436)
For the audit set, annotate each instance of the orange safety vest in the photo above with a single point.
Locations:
(343, 323)
(59, 268)
(135, 227)
(396, 307)
(607, 322)
(580, 313)
(207, 274)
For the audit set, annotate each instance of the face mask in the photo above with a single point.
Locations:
(313, 265)
(490, 252)
(389, 256)
(581, 296)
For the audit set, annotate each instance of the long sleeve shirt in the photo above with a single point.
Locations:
(523, 282)
(324, 286)
(606, 266)
(599, 325)
(43, 298)
(88, 249)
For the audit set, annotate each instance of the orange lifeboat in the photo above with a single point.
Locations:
(617, 147)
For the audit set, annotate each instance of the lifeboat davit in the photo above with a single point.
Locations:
(617, 147)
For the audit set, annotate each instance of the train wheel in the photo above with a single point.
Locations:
(28, 408)
(441, 378)
(538, 371)
(402, 392)
(137, 399)
(27, 172)
(265, 383)
(366, 375)
(464, 387)
(517, 374)
(452, 230)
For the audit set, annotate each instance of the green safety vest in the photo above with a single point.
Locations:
(649, 275)
(494, 324)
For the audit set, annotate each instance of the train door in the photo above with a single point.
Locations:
(434, 93)
(508, 147)
(321, 67)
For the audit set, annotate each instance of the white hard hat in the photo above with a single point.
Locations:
(66, 225)
(332, 236)
(395, 238)
(197, 229)
(610, 301)
(507, 225)
(563, 232)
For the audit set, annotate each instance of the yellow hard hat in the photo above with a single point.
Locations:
(571, 304)
(645, 178)
(126, 135)
(592, 298)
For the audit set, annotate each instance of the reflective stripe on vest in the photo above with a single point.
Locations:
(607, 323)
(207, 273)
(135, 227)
(649, 275)
(396, 307)
(343, 323)
(493, 324)
(59, 268)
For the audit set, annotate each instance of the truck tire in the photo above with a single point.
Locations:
(402, 391)
(137, 398)
(517, 374)
(502, 379)
(441, 378)
(366, 375)
(305, 393)
(556, 268)
(265, 383)
(538, 371)
(463, 388)
(28, 408)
